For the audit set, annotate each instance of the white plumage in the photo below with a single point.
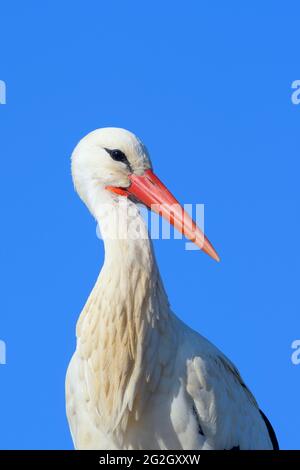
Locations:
(140, 378)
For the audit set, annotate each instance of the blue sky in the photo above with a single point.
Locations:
(207, 87)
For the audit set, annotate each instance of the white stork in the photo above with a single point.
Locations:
(140, 378)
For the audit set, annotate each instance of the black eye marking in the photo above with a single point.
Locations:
(118, 156)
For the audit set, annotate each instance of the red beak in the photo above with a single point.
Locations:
(149, 190)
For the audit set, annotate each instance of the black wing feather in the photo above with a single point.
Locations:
(271, 431)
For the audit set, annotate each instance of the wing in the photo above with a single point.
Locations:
(271, 431)
(227, 413)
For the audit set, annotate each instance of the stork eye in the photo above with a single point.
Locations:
(117, 155)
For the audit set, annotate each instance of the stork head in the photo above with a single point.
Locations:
(112, 163)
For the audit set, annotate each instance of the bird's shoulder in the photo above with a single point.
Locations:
(227, 411)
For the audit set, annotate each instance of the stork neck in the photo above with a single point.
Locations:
(130, 270)
(125, 237)
(125, 318)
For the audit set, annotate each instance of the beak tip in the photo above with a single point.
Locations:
(209, 250)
